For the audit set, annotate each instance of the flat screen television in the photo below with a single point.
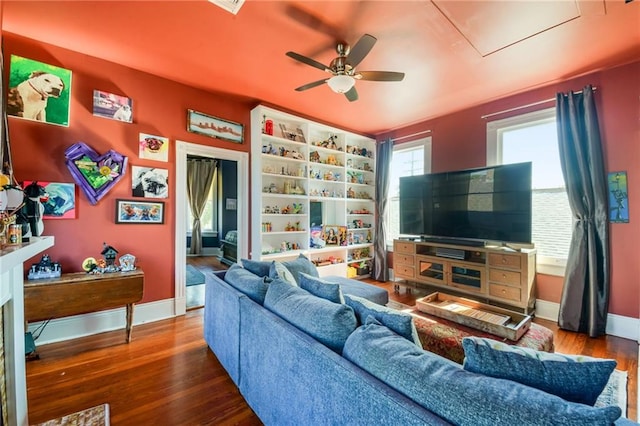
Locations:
(475, 206)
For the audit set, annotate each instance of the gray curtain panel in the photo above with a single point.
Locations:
(585, 295)
(383, 161)
(201, 174)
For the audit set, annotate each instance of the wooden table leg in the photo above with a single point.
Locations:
(129, 321)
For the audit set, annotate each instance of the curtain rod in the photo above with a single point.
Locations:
(524, 106)
(424, 132)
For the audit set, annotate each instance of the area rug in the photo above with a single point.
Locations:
(615, 393)
(194, 277)
(95, 416)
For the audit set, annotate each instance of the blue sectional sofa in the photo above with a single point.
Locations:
(356, 371)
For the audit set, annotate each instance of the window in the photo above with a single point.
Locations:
(209, 219)
(533, 137)
(409, 159)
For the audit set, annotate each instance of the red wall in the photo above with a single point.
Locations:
(160, 108)
(459, 141)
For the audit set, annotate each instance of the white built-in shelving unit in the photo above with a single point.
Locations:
(299, 167)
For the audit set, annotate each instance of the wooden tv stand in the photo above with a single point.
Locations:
(488, 274)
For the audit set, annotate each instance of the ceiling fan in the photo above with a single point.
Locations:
(343, 68)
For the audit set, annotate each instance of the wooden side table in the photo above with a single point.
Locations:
(80, 293)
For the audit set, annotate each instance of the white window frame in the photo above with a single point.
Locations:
(544, 264)
(425, 143)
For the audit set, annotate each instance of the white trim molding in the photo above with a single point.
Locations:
(617, 325)
(242, 159)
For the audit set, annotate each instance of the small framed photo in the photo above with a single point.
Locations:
(114, 107)
(142, 212)
(152, 147)
(60, 199)
(214, 127)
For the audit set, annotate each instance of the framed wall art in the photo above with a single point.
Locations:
(214, 127)
(38, 91)
(152, 147)
(143, 212)
(618, 197)
(149, 182)
(59, 201)
(114, 107)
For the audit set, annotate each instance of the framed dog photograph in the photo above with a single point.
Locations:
(114, 107)
(59, 201)
(214, 127)
(143, 212)
(38, 91)
(149, 182)
(152, 147)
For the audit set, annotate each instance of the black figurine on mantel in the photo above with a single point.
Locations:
(109, 253)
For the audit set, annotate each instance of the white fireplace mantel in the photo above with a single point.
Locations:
(12, 259)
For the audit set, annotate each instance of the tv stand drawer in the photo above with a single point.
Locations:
(505, 260)
(404, 271)
(505, 292)
(403, 259)
(504, 276)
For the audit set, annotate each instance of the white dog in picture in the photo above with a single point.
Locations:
(150, 183)
(123, 113)
(29, 98)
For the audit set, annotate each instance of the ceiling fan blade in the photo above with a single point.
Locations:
(352, 94)
(361, 49)
(311, 85)
(379, 75)
(308, 61)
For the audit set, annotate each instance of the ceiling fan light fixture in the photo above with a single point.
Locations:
(341, 83)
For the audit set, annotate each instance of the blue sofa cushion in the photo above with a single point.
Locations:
(279, 271)
(253, 286)
(258, 267)
(329, 323)
(361, 289)
(574, 378)
(399, 322)
(321, 288)
(301, 264)
(457, 395)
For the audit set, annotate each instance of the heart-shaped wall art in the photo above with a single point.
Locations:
(96, 174)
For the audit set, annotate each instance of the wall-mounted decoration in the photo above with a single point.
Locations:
(218, 128)
(135, 211)
(618, 197)
(153, 147)
(232, 204)
(115, 107)
(38, 91)
(96, 174)
(59, 201)
(149, 182)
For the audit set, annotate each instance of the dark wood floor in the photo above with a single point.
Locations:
(168, 376)
(195, 293)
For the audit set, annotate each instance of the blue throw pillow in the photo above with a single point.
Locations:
(279, 271)
(321, 288)
(258, 267)
(399, 322)
(253, 286)
(301, 264)
(459, 396)
(575, 378)
(329, 323)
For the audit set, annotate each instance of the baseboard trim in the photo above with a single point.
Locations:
(99, 322)
(617, 325)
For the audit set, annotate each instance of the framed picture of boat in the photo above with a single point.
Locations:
(214, 127)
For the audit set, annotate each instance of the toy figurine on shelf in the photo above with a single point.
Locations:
(44, 269)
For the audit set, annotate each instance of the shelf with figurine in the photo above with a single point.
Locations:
(337, 174)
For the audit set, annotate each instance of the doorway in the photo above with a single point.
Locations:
(183, 149)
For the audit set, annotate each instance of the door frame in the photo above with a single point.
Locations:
(242, 159)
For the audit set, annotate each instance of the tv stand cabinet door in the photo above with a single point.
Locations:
(467, 277)
(432, 270)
